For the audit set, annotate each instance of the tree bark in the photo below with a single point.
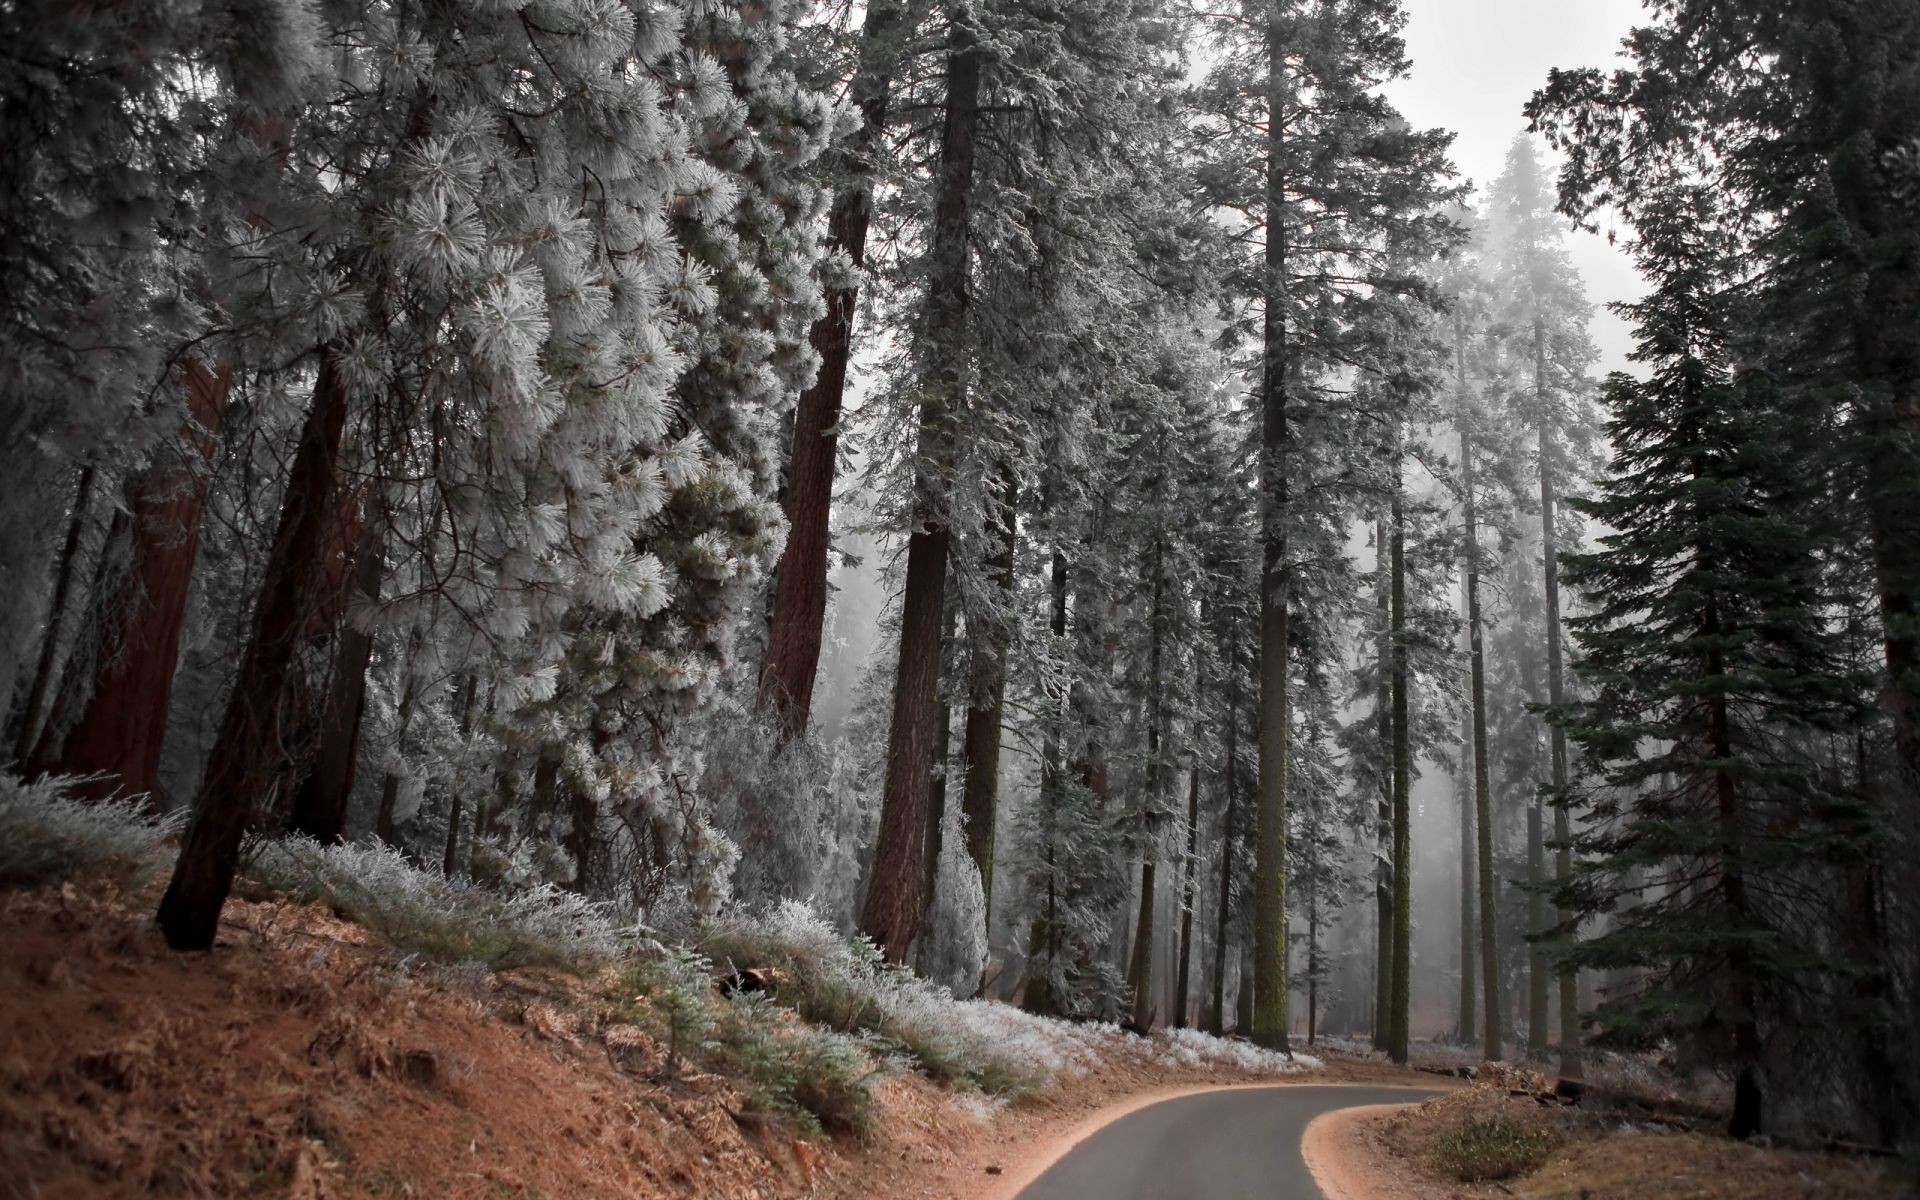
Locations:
(247, 755)
(986, 709)
(320, 804)
(1490, 1046)
(1556, 696)
(1141, 974)
(895, 895)
(1189, 868)
(1397, 1032)
(1043, 944)
(31, 713)
(449, 860)
(1468, 1017)
(1383, 807)
(122, 722)
(1270, 849)
(800, 583)
(1216, 1016)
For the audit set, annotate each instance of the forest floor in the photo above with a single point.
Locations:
(304, 1059)
(1559, 1152)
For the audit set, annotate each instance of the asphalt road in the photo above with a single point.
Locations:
(1237, 1144)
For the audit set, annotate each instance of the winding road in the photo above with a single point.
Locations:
(1231, 1144)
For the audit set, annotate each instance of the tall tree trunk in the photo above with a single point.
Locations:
(320, 803)
(987, 702)
(1490, 1046)
(449, 859)
(800, 584)
(1383, 806)
(32, 712)
(247, 754)
(1043, 944)
(1397, 1032)
(136, 624)
(935, 843)
(1216, 1015)
(1556, 696)
(896, 892)
(1748, 1099)
(1468, 1017)
(1536, 924)
(1270, 848)
(1189, 868)
(1141, 974)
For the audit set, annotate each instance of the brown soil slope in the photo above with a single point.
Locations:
(301, 1060)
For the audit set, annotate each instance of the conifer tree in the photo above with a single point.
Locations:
(1705, 646)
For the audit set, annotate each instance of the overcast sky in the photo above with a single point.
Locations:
(1475, 62)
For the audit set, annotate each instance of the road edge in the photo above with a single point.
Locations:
(1341, 1167)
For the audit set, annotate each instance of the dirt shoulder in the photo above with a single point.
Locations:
(1396, 1153)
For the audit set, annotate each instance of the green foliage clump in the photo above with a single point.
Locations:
(816, 1079)
(845, 985)
(47, 836)
(1490, 1148)
(425, 913)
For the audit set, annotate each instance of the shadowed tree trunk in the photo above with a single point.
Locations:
(896, 892)
(320, 803)
(1397, 1032)
(247, 755)
(1270, 844)
(32, 712)
(800, 584)
(1043, 943)
(135, 639)
(1383, 807)
(987, 702)
(1468, 756)
(1556, 696)
(1490, 1047)
(450, 859)
(1189, 869)
(1216, 1016)
(1141, 974)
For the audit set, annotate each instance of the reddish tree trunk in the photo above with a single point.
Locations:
(896, 892)
(800, 586)
(119, 731)
(247, 756)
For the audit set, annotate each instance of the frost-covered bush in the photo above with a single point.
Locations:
(816, 1077)
(845, 984)
(954, 942)
(770, 798)
(46, 835)
(450, 920)
(1192, 1048)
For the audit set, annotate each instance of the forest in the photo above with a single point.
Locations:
(1083, 495)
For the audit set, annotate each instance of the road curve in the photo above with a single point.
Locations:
(1232, 1144)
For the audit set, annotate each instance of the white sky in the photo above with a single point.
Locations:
(1475, 62)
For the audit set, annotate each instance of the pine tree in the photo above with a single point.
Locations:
(1705, 646)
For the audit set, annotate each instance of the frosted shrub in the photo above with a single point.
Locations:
(845, 985)
(450, 920)
(47, 835)
(1192, 1048)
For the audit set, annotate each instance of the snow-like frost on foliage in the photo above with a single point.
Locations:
(46, 835)
(991, 1039)
(449, 919)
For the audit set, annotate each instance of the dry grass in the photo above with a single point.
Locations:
(1598, 1157)
(1691, 1166)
